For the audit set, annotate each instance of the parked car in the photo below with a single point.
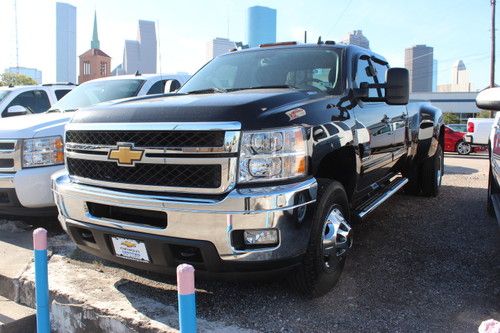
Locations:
(32, 147)
(478, 131)
(259, 164)
(22, 100)
(489, 99)
(454, 141)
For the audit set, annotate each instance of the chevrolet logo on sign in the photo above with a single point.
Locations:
(125, 154)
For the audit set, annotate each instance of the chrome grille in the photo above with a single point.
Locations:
(10, 156)
(151, 139)
(180, 157)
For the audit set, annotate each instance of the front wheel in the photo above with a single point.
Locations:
(463, 148)
(329, 243)
(432, 173)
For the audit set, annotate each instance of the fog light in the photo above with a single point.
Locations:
(260, 237)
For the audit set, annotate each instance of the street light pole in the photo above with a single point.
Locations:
(492, 60)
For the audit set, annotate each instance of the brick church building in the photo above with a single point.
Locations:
(94, 63)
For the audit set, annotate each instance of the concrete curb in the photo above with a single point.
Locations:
(83, 300)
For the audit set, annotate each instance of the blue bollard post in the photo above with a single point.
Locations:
(41, 281)
(186, 297)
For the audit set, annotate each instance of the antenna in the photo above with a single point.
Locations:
(159, 46)
(17, 39)
(305, 36)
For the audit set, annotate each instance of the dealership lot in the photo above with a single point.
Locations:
(417, 264)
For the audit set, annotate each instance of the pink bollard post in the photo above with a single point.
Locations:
(186, 298)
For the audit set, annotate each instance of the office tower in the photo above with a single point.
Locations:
(419, 62)
(65, 42)
(219, 46)
(140, 55)
(261, 25)
(356, 38)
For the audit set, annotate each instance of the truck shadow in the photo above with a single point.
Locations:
(413, 255)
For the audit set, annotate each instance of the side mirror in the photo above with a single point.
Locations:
(397, 88)
(489, 99)
(17, 110)
(171, 86)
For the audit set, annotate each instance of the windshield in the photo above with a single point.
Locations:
(302, 68)
(3, 94)
(95, 92)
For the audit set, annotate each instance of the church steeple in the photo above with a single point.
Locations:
(94, 44)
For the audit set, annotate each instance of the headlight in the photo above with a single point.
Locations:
(273, 155)
(43, 152)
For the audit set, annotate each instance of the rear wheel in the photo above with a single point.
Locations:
(463, 148)
(432, 173)
(329, 243)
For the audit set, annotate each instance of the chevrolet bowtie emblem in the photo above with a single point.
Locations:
(125, 154)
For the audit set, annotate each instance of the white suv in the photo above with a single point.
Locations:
(32, 147)
(21, 100)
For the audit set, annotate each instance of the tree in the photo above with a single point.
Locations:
(485, 114)
(450, 118)
(14, 79)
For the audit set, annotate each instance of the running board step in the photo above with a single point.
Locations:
(389, 191)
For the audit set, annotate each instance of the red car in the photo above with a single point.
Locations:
(454, 142)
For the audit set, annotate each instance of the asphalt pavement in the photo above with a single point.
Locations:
(417, 264)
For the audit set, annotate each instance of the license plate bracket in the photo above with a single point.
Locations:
(130, 249)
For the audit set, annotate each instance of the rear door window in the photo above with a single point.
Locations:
(157, 88)
(61, 93)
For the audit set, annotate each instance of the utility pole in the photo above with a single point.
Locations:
(492, 63)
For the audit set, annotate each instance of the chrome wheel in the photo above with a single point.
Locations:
(337, 237)
(463, 148)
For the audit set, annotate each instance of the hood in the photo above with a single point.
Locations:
(252, 108)
(31, 126)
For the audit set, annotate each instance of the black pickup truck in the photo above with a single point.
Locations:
(260, 163)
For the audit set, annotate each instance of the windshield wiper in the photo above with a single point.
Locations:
(281, 86)
(53, 110)
(206, 91)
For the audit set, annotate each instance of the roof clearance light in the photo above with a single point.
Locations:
(278, 44)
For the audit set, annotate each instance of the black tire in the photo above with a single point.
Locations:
(492, 189)
(319, 271)
(461, 148)
(431, 173)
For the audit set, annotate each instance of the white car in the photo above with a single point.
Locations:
(478, 131)
(32, 147)
(22, 100)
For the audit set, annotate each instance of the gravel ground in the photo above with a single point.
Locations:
(418, 264)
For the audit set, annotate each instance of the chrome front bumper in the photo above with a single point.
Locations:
(210, 220)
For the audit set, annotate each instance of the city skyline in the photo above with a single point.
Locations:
(439, 25)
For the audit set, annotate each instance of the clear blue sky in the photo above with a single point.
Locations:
(457, 29)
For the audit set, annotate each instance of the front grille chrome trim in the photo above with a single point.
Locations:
(228, 180)
(167, 126)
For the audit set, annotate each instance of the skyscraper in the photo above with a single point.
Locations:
(261, 25)
(356, 38)
(94, 63)
(65, 42)
(434, 75)
(140, 55)
(419, 62)
(460, 81)
(219, 46)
